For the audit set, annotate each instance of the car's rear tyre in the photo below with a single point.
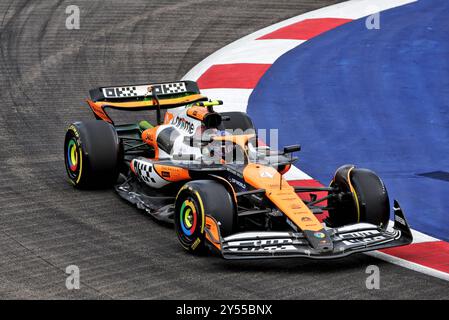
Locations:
(237, 121)
(369, 201)
(193, 202)
(92, 154)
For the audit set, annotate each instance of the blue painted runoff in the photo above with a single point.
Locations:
(378, 99)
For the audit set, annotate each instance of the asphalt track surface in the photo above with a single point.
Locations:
(46, 225)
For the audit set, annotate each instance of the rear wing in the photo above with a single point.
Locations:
(141, 91)
(143, 97)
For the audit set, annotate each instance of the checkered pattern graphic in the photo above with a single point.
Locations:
(120, 92)
(177, 87)
(142, 91)
(144, 171)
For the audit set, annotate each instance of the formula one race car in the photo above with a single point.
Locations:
(209, 174)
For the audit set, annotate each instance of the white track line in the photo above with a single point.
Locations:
(409, 265)
(234, 99)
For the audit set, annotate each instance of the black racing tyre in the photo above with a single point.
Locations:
(237, 121)
(369, 202)
(193, 202)
(92, 154)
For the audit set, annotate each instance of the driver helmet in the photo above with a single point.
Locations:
(220, 149)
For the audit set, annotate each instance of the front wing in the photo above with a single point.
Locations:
(346, 240)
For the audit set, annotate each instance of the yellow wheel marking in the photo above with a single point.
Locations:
(202, 211)
(201, 205)
(196, 243)
(187, 221)
(73, 129)
(81, 165)
(73, 155)
(354, 194)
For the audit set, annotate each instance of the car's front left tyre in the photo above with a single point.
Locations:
(196, 199)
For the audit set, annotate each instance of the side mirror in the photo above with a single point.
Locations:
(292, 148)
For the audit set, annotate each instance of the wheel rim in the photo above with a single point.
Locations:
(188, 216)
(73, 159)
(189, 220)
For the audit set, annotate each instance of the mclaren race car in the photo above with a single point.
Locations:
(222, 188)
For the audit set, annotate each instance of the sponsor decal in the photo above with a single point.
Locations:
(144, 90)
(360, 234)
(262, 245)
(196, 243)
(365, 240)
(183, 124)
(74, 130)
(234, 172)
(300, 212)
(237, 183)
(400, 220)
(306, 219)
(319, 235)
(266, 174)
(165, 174)
(363, 237)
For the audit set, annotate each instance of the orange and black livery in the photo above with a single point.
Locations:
(203, 169)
